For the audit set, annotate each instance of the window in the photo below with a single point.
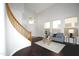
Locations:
(56, 24)
(72, 21)
(47, 25)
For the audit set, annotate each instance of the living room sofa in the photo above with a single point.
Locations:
(58, 37)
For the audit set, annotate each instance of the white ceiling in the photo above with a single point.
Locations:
(37, 7)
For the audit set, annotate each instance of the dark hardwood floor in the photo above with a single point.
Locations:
(35, 50)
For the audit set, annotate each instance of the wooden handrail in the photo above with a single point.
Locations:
(17, 25)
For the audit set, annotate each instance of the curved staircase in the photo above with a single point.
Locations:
(20, 29)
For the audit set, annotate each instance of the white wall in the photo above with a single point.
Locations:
(2, 29)
(57, 12)
(14, 40)
(17, 10)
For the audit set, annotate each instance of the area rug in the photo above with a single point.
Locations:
(52, 46)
